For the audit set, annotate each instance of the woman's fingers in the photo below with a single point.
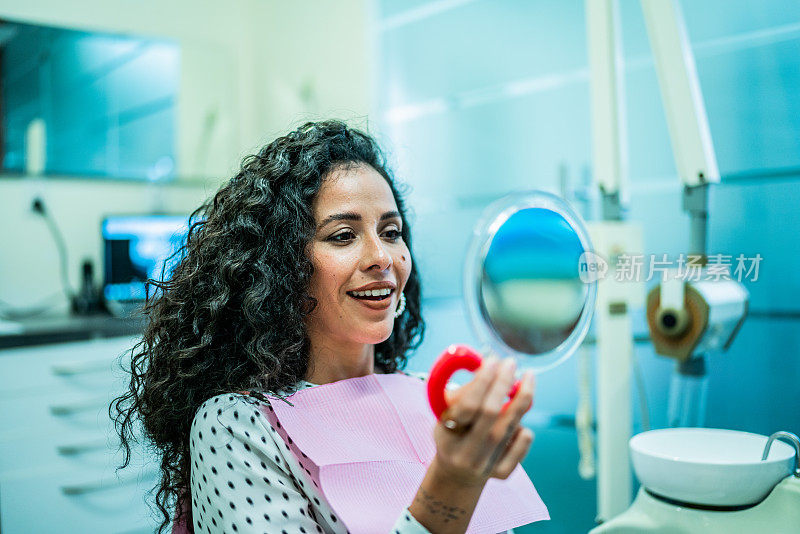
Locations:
(492, 442)
(508, 422)
(490, 411)
(514, 453)
(465, 403)
(521, 403)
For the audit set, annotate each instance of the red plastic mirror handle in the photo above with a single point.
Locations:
(454, 358)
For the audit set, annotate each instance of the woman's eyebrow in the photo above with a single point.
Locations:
(353, 216)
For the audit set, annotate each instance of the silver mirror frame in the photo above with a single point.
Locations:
(490, 222)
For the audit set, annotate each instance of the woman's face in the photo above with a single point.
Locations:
(358, 242)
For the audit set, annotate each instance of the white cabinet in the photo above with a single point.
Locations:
(58, 448)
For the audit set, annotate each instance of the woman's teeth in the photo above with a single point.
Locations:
(374, 294)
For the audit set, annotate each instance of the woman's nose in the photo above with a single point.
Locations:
(375, 253)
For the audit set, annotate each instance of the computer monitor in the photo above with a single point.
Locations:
(135, 250)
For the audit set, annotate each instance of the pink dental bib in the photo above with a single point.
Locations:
(366, 442)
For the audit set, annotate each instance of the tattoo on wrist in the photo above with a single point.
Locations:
(437, 507)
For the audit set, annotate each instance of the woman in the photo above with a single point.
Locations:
(268, 296)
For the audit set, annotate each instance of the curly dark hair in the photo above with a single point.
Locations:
(230, 316)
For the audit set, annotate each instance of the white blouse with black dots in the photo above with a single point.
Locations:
(243, 480)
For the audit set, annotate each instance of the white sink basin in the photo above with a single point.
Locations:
(709, 466)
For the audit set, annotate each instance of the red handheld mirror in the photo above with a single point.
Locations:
(455, 358)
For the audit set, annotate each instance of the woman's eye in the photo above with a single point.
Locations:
(395, 234)
(338, 238)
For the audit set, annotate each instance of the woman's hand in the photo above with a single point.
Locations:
(494, 442)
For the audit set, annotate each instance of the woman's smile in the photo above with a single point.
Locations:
(380, 302)
(375, 296)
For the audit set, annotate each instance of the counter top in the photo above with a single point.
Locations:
(50, 329)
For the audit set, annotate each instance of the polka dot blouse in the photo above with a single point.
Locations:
(248, 477)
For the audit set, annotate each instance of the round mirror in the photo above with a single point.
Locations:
(523, 287)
